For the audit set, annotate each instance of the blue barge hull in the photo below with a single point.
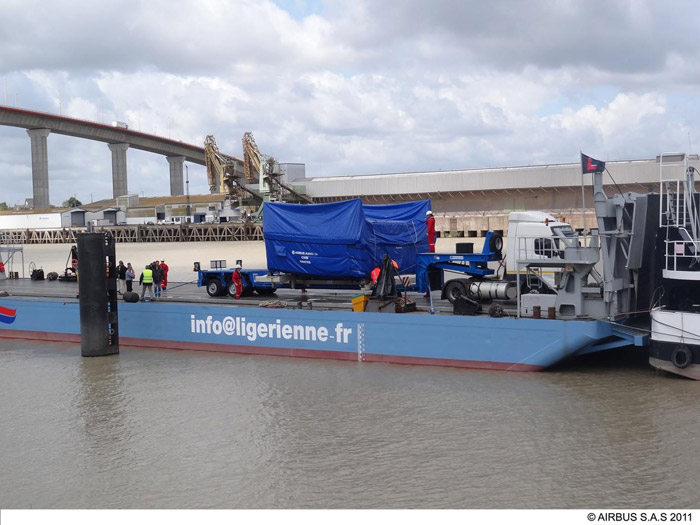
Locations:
(418, 339)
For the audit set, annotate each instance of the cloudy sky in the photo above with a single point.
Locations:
(349, 86)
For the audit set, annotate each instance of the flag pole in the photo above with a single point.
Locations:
(583, 199)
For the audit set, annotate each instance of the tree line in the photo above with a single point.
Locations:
(70, 202)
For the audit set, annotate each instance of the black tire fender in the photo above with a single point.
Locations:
(681, 356)
(131, 297)
(495, 310)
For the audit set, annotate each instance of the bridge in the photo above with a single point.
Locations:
(118, 138)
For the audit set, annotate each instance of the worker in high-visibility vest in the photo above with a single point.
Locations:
(146, 280)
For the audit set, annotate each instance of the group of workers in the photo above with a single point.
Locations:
(153, 279)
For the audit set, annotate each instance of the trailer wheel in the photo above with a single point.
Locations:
(247, 287)
(496, 242)
(231, 289)
(455, 289)
(214, 288)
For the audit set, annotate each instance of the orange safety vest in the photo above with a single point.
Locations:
(375, 274)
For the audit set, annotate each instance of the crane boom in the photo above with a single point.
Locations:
(252, 158)
(225, 179)
(221, 172)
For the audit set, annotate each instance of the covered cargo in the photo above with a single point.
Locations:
(342, 239)
(324, 240)
(399, 231)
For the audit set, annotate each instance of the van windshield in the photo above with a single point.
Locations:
(562, 234)
(563, 231)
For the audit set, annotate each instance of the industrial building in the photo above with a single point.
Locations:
(465, 202)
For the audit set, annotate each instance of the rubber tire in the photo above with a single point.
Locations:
(455, 289)
(131, 297)
(231, 289)
(214, 288)
(496, 243)
(681, 357)
(495, 310)
(247, 286)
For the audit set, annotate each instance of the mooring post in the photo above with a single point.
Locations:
(97, 284)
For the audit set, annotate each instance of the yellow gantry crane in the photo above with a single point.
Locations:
(252, 158)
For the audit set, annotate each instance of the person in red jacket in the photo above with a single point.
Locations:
(430, 223)
(237, 281)
(164, 277)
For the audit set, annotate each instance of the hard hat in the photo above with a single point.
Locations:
(238, 267)
(428, 213)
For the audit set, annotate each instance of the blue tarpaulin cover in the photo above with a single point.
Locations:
(343, 239)
(399, 231)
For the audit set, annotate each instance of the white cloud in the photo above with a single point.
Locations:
(351, 87)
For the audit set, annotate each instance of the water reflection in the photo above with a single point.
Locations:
(166, 429)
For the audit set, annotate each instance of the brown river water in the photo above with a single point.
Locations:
(178, 429)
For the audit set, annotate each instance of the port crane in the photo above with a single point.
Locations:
(268, 172)
(225, 177)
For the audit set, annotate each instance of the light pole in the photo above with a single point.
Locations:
(187, 192)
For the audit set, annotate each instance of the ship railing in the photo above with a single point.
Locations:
(583, 248)
(677, 189)
(682, 255)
